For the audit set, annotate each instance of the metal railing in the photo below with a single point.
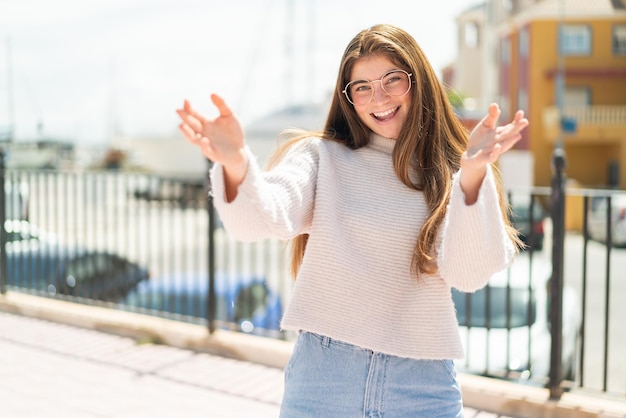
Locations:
(591, 115)
(155, 240)
(593, 123)
(166, 254)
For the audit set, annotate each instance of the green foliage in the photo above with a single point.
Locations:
(455, 99)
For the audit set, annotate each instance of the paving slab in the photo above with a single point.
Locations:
(48, 369)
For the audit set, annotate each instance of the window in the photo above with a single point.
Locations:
(619, 39)
(471, 35)
(575, 40)
(505, 51)
(523, 43)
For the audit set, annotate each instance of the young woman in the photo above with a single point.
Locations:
(390, 206)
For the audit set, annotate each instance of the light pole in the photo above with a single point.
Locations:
(558, 221)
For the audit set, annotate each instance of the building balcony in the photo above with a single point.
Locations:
(585, 124)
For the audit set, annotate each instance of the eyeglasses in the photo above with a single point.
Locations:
(394, 83)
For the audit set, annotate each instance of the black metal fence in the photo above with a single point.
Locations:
(139, 242)
(152, 244)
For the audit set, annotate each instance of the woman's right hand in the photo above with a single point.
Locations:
(221, 140)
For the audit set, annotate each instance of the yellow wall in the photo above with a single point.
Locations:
(590, 162)
(586, 163)
(542, 44)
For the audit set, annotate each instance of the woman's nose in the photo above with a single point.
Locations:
(379, 93)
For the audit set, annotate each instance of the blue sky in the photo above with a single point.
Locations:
(85, 69)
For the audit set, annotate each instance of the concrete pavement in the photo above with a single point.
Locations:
(66, 360)
(49, 369)
(55, 370)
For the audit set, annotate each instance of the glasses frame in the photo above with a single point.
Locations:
(345, 89)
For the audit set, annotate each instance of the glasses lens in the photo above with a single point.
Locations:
(359, 92)
(396, 83)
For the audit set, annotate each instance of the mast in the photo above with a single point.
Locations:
(10, 101)
(290, 53)
(310, 55)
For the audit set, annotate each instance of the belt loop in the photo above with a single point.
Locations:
(325, 341)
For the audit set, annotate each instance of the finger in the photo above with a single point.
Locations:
(519, 120)
(508, 143)
(514, 127)
(189, 134)
(490, 120)
(191, 111)
(519, 125)
(522, 123)
(199, 140)
(192, 122)
(221, 106)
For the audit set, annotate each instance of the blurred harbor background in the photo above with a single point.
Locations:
(109, 74)
(106, 204)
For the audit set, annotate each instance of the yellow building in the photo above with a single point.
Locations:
(591, 121)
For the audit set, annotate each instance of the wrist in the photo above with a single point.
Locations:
(234, 174)
(238, 166)
(471, 179)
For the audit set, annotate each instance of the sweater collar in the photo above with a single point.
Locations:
(380, 143)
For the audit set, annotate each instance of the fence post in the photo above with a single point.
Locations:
(3, 235)
(556, 282)
(211, 300)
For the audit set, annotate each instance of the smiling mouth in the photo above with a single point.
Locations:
(386, 115)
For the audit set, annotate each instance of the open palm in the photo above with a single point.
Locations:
(221, 139)
(488, 141)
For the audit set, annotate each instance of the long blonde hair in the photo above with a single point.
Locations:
(431, 141)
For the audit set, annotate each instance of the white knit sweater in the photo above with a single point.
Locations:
(355, 283)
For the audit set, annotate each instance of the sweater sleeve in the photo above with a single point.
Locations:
(474, 243)
(273, 204)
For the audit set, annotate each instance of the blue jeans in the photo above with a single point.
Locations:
(329, 378)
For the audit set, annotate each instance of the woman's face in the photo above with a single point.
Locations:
(384, 114)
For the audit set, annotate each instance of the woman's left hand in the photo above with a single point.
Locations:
(486, 144)
(488, 141)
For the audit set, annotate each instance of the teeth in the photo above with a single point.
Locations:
(386, 113)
